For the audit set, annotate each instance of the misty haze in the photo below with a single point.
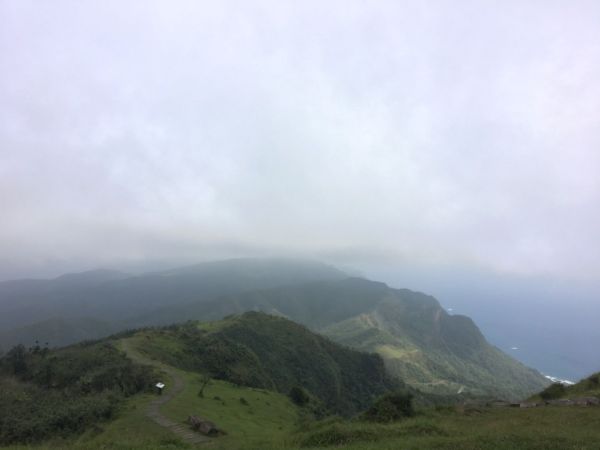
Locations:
(256, 225)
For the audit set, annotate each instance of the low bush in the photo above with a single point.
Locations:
(594, 380)
(61, 392)
(299, 396)
(553, 391)
(390, 407)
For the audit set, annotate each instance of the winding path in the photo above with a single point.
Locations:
(153, 409)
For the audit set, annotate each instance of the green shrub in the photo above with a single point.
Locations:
(594, 380)
(299, 396)
(391, 407)
(65, 391)
(553, 391)
(15, 361)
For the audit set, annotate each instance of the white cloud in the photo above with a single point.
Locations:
(455, 132)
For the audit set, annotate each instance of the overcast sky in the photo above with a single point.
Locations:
(463, 133)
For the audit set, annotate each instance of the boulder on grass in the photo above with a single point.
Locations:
(204, 426)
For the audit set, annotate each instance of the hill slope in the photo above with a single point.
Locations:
(588, 387)
(273, 353)
(420, 342)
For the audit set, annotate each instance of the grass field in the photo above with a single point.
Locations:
(252, 418)
(257, 426)
(548, 428)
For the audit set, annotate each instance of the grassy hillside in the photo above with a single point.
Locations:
(266, 420)
(474, 426)
(475, 429)
(420, 342)
(249, 416)
(262, 351)
(435, 352)
(588, 387)
(72, 400)
(270, 421)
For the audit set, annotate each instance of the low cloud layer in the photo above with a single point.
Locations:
(461, 133)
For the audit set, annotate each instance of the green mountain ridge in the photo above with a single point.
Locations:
(62, 392)
(420, 342)
(97, 395)
(274, 353)
(118, 301)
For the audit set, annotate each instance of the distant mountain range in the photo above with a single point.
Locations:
(33, 310)
(419, 342)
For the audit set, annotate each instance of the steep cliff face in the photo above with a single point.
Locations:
(436, 352)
